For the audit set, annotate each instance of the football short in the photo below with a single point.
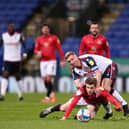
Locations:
(12, 67)
(111, 72)
(81, 102)
(48, 68)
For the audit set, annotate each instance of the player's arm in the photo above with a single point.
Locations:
(60, 50)
(22, 40)
(82, 48)
(79, 83)
(77, 80)
(37, 50)
(59, 47)
(111, 99)
(93, 66)
(98, 77)
(71, 106)
(106, 48)
(1, 41)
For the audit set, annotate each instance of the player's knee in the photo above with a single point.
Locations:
(5, 74)
(63, 107)
(18, 76)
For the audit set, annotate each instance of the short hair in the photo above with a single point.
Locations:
(69, 53)
(94, 22)
(91, 81)
(45, 24)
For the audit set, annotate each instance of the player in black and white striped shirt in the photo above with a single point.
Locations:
(105, 71)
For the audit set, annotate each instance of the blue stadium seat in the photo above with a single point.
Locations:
(71, 44)
(118, 35)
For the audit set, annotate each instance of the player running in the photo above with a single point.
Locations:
(45, 49)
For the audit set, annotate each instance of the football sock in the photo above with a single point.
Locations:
(56, 108)
(107, 106)
(4, 84)
(19, 88)
(119, 97)
(49, 87)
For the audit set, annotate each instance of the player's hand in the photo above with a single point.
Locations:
(62, 63)
(63, 118)
(24, 57)
(118, 108)
(39, 54)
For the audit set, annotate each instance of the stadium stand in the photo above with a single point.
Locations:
(71, 44)
(118, 35)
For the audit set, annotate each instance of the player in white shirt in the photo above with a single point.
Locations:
(91, 65)
(12, 42)
(104, 68)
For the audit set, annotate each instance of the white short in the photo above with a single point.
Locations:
(81, 102)
(48, 68)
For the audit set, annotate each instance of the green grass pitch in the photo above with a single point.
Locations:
(25, 115)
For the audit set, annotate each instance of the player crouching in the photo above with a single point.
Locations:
(94, 98)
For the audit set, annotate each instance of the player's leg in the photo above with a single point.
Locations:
(108, 81)
(4, 80)
(49, 81)
(58, 107)
(123, 102)
(92, 109)
(17, 74)
(108, 109)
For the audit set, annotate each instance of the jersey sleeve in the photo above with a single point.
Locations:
(37, 46)
(22, 40)
(110, 98)
(59, 48)
(1, 41)
(106, 48)
(91, 63)
(82, 47)
(73, 103)
(75, 75)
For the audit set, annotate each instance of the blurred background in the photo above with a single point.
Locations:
(69, 20)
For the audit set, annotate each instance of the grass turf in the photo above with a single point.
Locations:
(25, 115)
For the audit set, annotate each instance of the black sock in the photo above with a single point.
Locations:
(49, 87)
(111, 91)
(56, 108)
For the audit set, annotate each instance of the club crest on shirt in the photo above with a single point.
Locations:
(58, 41)
(99, 42)
(45, 44)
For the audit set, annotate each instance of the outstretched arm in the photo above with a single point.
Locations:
(71, 106)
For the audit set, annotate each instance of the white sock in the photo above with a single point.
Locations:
(19, 88)
(119, 98)
(4, 85)
(108, 107)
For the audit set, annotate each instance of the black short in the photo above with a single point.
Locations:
(12, 67)
(111, 72)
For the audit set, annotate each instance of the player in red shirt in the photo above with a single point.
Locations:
(93, 97)
(45, 48)
(94, 43)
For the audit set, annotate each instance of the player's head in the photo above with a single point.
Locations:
(72, 59)
(94, 29)
(11, 28)
(45, 29)
(90, 85)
